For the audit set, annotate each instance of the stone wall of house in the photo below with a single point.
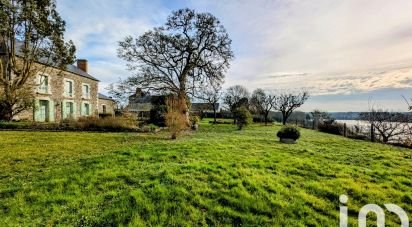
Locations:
(109, 104)
(56, 95)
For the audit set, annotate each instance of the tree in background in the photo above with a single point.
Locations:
(263, 103)
(321, 118)
(212, 93)
(243, 117)
(320, 115)
(386, 125)
(31, 31)
(286, 103)
(235, 97)
(177, 58)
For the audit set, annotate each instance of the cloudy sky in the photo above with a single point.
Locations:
(345, 52)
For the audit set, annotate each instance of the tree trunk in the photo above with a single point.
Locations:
(185, 109)
(234, 118)
(6, 113)
(214, 114)
(284, 119)
(266, 118)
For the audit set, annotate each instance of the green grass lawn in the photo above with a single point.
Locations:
(216, 176)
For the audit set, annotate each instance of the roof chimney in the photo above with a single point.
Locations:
(82, 64)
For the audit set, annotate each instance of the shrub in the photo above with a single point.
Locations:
(113, 124)
(259, 119)
(152, 127)
(158, 111)
(157, 115)
(289, 132)
(243, 117)
(194, 121)
(104, 115)
(108, 124)
(176, 119)
(331, 127)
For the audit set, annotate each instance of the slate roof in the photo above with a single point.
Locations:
(75, 70)
(101, 96)
(69, 68)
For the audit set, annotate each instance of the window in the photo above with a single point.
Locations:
(68, 88)
(44, 84)
(104, 109)
(86, 91)
(69, 111)
(43, 111)
(86, 109)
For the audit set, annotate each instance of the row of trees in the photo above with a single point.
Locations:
(262, 102)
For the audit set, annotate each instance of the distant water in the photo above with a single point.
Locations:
(354, 122)
(364, 127)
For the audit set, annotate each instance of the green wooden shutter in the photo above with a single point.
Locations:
(64, 110)
(91, 110)
(74, 110)
(36, 110)
(51, 111)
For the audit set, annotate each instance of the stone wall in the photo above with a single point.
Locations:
(56, 95)
(110, 106)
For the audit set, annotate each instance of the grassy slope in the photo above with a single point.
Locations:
(215, 176)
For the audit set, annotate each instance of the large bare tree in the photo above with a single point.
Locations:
(190, 49)
(287, 102)
(263, 103)
(31, 32)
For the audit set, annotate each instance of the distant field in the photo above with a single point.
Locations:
(217, 176)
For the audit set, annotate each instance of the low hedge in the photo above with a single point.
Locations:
(107, 124)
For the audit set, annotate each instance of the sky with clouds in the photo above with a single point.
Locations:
(345, 52)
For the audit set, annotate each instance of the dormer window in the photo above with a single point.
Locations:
(86, 91)
(44, 84)
(68, 88)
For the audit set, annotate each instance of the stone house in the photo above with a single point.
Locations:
(107, 106)
(199, 108)
(70, 93)
(141, 103)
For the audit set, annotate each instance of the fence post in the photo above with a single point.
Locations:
(372, 133)
(344, 129)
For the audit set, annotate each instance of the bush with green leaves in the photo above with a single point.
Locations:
(194, 121)
(288, 132)
(243, 117)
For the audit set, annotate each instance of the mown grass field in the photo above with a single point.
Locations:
(216, 176)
